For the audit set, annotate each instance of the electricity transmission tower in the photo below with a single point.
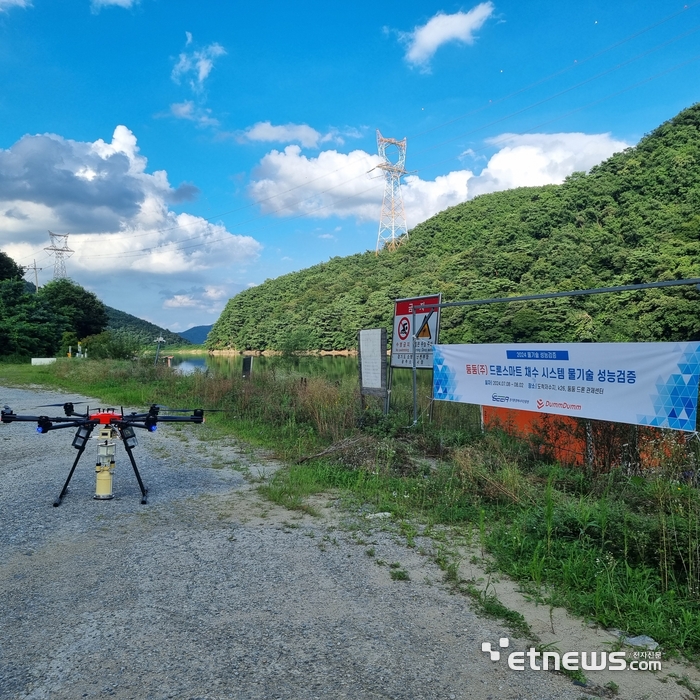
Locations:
(59, 248)
(392, 221)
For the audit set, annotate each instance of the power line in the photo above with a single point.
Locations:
(562, 71)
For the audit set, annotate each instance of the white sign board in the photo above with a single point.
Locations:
(427, 325)
(639, 383)
(372, 359)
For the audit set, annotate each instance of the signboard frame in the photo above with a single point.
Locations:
(371, 360)
(404, 337)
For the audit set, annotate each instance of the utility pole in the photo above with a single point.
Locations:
(160, 339)
(36, 274)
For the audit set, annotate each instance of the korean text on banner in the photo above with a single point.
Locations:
(639, 383)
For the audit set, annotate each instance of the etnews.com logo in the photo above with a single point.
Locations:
(574, 660)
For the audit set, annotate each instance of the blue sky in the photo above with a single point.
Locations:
(192, 151)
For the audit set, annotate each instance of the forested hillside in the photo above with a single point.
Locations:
(196, 334)
(634, 218)
(37, 324)
(145, 331)
(61, 313)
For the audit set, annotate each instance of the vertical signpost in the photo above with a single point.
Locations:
(371, 344)
(416, 328)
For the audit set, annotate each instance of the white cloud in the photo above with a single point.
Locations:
(303, 134)
(124, 235)
(209, 298)
(5, 5)
(188, 110)
(336, 184)
(97, 5)
(424, 41)
(178, 301)
(525, 160)
(425, 198)
(196, 65)
(283, 133)
(288, 183)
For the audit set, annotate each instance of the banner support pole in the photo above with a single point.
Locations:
(415, 383)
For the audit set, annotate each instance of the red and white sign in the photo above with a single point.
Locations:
(426, 329)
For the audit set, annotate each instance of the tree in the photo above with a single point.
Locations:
(29, 327)
(114, 345)
(83, 313)
(9, 269)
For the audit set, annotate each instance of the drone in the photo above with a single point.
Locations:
(112, 425)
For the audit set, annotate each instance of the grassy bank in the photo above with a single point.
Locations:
(620, 549)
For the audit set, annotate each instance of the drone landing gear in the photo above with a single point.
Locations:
(57, 502)
(129, 451)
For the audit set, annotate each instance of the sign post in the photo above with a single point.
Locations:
(416, 328)
(416, 319)
(371, 356)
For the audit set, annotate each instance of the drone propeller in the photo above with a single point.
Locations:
(52, 405)
(189, 410)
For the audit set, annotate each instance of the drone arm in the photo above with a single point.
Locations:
(72, 424)
(8, 417)
(181, 419)
(13, 417)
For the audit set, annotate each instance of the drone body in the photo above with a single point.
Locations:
(112, 426)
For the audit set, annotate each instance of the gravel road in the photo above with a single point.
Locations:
(209, 592)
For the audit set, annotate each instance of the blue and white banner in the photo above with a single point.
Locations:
(638, 383)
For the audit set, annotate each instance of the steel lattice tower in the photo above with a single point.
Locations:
(392, 221)
(59, 248)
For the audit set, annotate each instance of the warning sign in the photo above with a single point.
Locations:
(424, 331)
(404, 328)
(427, 323)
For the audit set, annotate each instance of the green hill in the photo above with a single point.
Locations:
(147, 332)
(196, 334)
(634, 218)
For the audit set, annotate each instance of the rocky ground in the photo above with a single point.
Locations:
(210, 592)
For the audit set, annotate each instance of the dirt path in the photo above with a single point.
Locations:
(210, 592)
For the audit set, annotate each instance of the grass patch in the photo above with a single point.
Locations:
(399, 575)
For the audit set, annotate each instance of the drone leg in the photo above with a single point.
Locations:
(57, 502)
(144, 490)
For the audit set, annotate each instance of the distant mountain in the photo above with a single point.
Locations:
(196, 334)
(633, 218)
(148, 332)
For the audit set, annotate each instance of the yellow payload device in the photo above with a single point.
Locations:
(106, 451)
(112, 426)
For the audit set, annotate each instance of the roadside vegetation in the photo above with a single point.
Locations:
(613, 545)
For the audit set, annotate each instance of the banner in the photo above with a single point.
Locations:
(639, 383)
